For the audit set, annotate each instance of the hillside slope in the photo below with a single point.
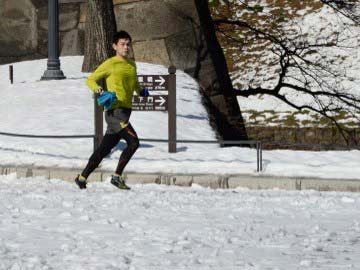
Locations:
(253, 60)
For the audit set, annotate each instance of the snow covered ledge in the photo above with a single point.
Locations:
(202, 180)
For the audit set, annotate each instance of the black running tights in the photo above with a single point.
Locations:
(109, 142)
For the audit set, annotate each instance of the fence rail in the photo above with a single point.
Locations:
(47, 136)
(258, 144)
(319, 145)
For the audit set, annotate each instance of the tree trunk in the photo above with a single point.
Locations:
(220, 99)
(99, 30)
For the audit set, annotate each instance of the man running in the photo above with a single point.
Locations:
(121, 80)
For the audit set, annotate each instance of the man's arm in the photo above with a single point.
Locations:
(101, 72)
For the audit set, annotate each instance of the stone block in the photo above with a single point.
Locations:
(72, 1)
(136, 178)
(182, 180)
(4, 170)
(9, 170)
(42, 15)
(119, 2)
(23, 172)
(39, 3)
(73, 43)
(211, 181)
(83, 10)
(18, 32)
(183, 49)
(149, 20)
(41, 173)
(66, 175)
(331, 185)
(165, 179)
(69, 16)
(94, 177)
(153, 51)
(258, 182)
(106, 176)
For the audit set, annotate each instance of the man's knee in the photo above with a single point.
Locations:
(134, 145)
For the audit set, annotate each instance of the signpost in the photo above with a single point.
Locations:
(151, 103)
(154, 82)
(162, 98)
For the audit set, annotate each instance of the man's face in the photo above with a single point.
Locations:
(122, 47)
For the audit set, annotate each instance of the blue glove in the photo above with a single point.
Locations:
(144, 92)
(107, 99)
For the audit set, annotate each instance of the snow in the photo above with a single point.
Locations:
(50, 224)
(65, 107)
(318, 27)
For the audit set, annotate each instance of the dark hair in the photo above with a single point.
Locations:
(121, 35)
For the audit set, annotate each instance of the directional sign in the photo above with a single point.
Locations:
(151, 103)
(154, 82)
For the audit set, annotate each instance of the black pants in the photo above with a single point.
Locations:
(109, 142)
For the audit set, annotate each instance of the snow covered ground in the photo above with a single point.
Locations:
(65, 107)
(52, 225)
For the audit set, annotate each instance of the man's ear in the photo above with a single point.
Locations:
(114, 46)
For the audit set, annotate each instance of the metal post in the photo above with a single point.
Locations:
(261, 168)
(257, 157)
(172, 109)
(53, 71)
(98, 119)
(11, 73)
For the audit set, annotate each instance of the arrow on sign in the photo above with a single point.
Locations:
(161, 81)
(161, 100)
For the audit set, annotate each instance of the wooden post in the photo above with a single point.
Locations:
(172, 109)
(11, 74)
(98, 118)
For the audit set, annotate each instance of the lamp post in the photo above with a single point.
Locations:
(53, 71)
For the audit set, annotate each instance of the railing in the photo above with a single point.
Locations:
(258, 144)
(47, 136)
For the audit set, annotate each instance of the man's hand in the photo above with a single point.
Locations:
(107, 99)
(99, 91)
(144, 92)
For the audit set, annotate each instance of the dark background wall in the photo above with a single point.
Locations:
(162, 30)
(23, 29)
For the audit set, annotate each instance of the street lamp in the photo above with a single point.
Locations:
(53, 71)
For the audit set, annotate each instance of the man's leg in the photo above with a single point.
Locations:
(129, 134)
(109, 142)
(131, 138)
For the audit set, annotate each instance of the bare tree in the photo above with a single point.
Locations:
(294, 63)
(347, 8)
(99, 30)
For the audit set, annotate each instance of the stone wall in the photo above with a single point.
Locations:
(307, 137)
(23, 29)
(18, 33)
(162, 30)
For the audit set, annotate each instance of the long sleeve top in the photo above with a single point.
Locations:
(121, 78)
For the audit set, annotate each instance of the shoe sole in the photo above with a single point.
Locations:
(122, 188)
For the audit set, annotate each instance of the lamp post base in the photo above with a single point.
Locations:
(53, 75)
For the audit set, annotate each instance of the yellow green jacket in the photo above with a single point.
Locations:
(121, 78)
